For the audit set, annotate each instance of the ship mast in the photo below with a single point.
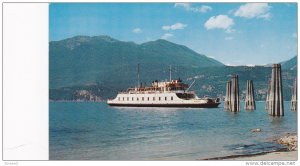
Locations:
(138, 75)
(170, 73)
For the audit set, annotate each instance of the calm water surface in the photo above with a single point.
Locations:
(96, 131)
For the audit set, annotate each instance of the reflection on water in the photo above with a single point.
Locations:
(96, 131)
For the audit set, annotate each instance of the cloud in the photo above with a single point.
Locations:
(174, 26)
(204, 9)
(254, 10)
(220, 22)
(137, 30)
(230, 30)
(184, 5)
(189, 7)
(167, 36)
(228, 38)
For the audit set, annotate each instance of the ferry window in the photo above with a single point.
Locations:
(165, 98)
(185, 96)
(153, 98)
(123, 98)
(172, 98)
(148, 98)
(127, 98)
(143, 98)
(137, 99)
(119, 98)
(132, 99)
(159, 98)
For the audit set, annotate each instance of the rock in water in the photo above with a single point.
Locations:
(256, 130)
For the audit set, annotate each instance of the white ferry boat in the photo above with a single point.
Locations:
(171, 93)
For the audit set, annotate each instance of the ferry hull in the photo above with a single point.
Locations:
(206, 105)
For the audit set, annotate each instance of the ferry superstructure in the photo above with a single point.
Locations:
(172, 93)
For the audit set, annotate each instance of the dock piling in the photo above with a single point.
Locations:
(227, 97)
(294, 96)
(275, 97)
(267, 97)
(249, 99)
(234, 96)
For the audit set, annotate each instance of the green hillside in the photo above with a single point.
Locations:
(290, 64)
(96, 68)
(82, 59)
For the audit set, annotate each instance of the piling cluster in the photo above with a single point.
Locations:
(274, 98)
(232, 98)
(249, 99)
(294, 97)
(274, 101)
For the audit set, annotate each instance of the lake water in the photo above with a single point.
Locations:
(96, 131)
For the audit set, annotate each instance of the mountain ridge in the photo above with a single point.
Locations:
(83, 59)
(100, 66)
(290, 64)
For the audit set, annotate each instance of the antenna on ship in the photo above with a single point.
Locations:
(170, 73)
(191, 85)
(138, 75)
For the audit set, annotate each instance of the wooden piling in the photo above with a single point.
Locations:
(227, 97)
(249, 99)
(294, 96)
(275, 95)
(234, 96)
(267, 97)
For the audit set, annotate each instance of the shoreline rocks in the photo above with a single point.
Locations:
(291, 141)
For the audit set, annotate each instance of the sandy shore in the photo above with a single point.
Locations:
(289, 140)
(273, 156)
(290, 153)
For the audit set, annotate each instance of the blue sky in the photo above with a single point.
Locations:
(232, 33)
